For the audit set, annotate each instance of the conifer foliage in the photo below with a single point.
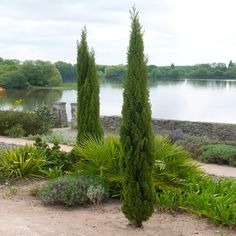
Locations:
(136, 133)
(88, 120)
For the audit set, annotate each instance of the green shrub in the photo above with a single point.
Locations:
(56, 158)
(101, 157)
(27, 120)
(174, 166)
(219, 153)
(53, 173)
(193, 144)
(55, 137)
(33, 190)
(21, 162)
(45, 118)
(15, 132)
(73, 190)
(214, 199)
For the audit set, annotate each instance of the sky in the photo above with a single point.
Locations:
(183, 32)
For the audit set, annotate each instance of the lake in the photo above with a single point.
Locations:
(193, 100)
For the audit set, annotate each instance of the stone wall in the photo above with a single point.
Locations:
(220, 131)
(59, 111)
(111, 124)
(73, 115)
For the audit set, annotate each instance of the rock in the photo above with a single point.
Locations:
(74, 115)
(59, 111)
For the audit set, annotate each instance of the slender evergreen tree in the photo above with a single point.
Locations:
(88, 119)
(136, 133)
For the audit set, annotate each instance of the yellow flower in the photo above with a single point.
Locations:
(2, 91)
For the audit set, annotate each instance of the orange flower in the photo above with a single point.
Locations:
(2, 91)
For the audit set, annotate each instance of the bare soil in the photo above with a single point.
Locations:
(23, 214)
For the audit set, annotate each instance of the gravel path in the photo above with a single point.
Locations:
(4, 145)
(213, 169)
(219, 170)
(24, 215)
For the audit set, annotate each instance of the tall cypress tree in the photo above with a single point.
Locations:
(88, 120)
(136, 133)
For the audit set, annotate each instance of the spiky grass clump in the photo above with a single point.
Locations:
(22, 162)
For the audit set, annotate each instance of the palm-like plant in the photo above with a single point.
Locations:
(99, 156)
(174, 167)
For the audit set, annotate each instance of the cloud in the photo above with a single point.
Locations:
(178, 31)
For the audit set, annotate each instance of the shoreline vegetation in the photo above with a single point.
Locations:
(73, 85)
(15, 74)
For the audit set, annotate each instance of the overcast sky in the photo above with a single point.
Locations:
(183, 32)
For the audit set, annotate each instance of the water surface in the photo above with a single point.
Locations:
(193, 100)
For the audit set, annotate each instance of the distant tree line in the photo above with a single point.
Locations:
(200, 71)
(118, 72)
(16, 74)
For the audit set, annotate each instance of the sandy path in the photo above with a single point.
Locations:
(20, 141)
(25, 215)
(212, 169)
(219, 170)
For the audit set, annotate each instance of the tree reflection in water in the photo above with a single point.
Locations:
(31, 98)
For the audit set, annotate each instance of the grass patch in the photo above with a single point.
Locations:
(214, 199)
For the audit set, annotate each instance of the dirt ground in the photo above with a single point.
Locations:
(23, 214)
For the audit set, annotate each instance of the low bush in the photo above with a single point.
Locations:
(210, 150)
(218, 153)
(192, 144)
(214, 199)
(21, 162)
(15, 132)
(52, 173)
(56, 161)
(55, 137)
(74, 190)
(45, 118)
(33, 190)
(27, 120)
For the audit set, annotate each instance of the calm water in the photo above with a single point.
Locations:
(193, 100)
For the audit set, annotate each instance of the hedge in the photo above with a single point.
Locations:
(28, 121)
